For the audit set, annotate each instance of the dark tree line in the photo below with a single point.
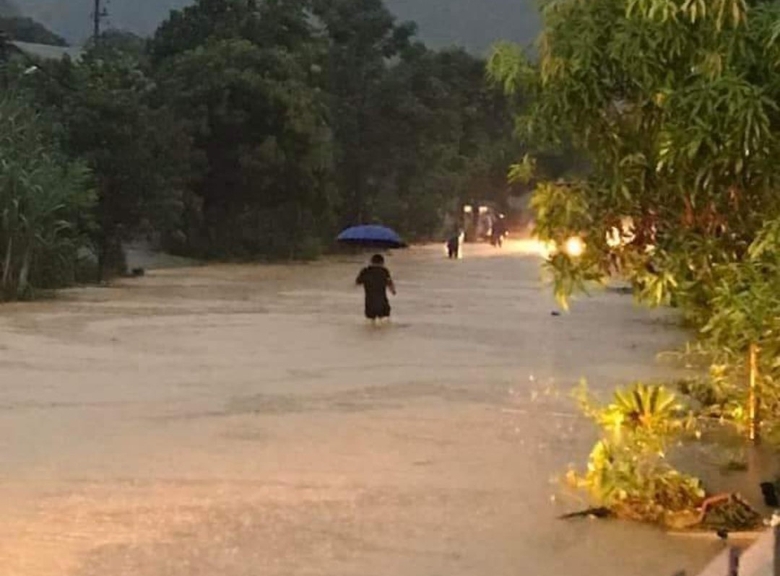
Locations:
(258, 128)
(28, 30)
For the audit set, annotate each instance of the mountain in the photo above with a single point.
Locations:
(474, 24)
(25, 29)
(28, 30)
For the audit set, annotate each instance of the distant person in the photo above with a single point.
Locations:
(376, 281)
(498, 232)
(453, 245)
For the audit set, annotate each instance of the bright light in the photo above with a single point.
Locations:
(530, 246)
(574, 247)
(622, 235)
(468, 209)
(483, 209)
(613, 238)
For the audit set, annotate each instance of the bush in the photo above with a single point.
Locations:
(43, 199)
(628, 471)
(309, 248)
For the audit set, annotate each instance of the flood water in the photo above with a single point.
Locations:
(245, 421)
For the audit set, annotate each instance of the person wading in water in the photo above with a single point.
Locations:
(376, 281)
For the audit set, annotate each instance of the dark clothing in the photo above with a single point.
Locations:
(375, 281)
(497, 235)
(453, 245)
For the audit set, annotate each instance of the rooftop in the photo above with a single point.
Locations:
(48, 52)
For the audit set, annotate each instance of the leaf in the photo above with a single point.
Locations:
(522, 172)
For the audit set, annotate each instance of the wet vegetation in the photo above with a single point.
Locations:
(673, 105)
(246, 129)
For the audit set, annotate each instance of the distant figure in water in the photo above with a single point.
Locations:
(453, 245)
(376, 281)
(498, 232)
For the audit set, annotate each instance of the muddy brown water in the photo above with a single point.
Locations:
(245, 421)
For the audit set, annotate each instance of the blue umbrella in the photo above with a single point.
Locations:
(371, 236)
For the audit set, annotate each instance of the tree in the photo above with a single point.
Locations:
(628, 471)
(674, 105)
(115, 40)
(244, 82)
(446, 134)
(137, 151)
(280, 23)
(44, 201)
(414, 129)
(362, 39)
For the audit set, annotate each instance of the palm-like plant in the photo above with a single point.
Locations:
(627, 469)
(42, 194)
(652, 408)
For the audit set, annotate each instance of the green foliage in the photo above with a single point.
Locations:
(674, 108)
(44, 199)
(137, 151)
(361, 37)
(308, 117)
(266, 23)
(442, 134)
(257, 128)
(628, 471)
(674, 105)
(244, 78)
(746, 311)
(117, 42)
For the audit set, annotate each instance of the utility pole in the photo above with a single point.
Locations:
(98, 14)
(5, 47)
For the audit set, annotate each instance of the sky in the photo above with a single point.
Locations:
(474, 24)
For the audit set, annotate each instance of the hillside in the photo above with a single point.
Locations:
(28, 30)
(475, 24)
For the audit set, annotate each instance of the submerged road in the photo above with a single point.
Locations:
(244, 421)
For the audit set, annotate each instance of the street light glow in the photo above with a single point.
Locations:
(574, 247)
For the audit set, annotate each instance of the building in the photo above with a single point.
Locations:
(46, 52)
